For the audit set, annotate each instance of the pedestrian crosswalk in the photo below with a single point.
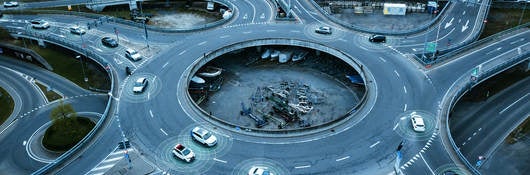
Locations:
(109, 162)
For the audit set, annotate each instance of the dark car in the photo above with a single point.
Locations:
(377, 39)
(109, 42)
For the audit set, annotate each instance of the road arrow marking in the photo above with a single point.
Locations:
(449, 23)
(465, 26)
(262, 16)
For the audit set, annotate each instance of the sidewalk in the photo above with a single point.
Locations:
(137, 166)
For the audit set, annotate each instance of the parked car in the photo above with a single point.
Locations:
(183, 153)
(39, 24)
(109, 42)
(133, 55)
(255, 170)
(10, 4)
(323, 30)
(77, 30)
(417, 122)
(140, 85)
(377, 39)
(203, 136)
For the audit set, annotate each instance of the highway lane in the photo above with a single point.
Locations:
(481, 132)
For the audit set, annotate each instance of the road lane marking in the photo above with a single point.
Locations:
(405, 89)
(382, 59)
(24, 143)
(270, 30)
(219, 160)
(165, 65)
(395, 126)
(201, 43)
(405, 108)
(224, 36)
(430, 169)
(163, 131)
(493, 50)
(396, 73)
(304, 166)
(371, 146)
(341, 159)
(247, 32)
(151, 113)
(295, 31)
(513, 103)
(184, 51)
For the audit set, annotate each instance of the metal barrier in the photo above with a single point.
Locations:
(102, 18)
(89, 54)
(449, 5)
(460, 87)
(276, 41)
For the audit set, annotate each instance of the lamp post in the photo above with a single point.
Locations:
(80, 58)
(522, 13)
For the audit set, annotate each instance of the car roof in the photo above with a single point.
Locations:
(129, 50)
(200, 131)
(140, 79)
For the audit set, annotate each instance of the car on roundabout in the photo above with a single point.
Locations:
(203, 136)
(323, 30)
(140, 84)
(183, 153)
(77, 30)
(109, 42)
(377, 39)
(257, 170)
(8, 4)
(39, 24)
(417, 122)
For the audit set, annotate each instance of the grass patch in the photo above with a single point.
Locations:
(66, 65)
(6, 105)
(519, 132)
(495, 84)
(50, 95)
(65, 133)
(500, 19)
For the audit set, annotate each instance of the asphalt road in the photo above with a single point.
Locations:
(156, 120)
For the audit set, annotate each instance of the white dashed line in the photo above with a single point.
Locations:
(396, 73)
(373, 145)
(304, 166)
(341, 159)
(219, 160)
(184, 51)
(201, 43)
(405, 108)
(151, 113)
(405, 89)
(397, 124)
(163, 131)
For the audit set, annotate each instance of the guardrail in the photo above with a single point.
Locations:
(101, 18)
(469, 47)
(463, 85)
(276, 41)
(89, 54)
(405, 32)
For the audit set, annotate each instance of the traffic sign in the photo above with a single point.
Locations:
(430, 47)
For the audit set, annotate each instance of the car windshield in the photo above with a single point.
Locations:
(207, 135)
(138, 83)
(186, 152)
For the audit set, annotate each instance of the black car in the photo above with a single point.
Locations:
(377, 39)
(109, 42)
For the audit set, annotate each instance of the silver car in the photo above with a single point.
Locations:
(140, 85)
(39, 24)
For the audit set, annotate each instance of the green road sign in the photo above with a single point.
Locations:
(430, 47)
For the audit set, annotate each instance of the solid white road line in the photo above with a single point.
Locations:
(513, 103)
(430, 169)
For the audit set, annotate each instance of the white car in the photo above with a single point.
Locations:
(259, 171)
(203, 136)
(39, 24)
(133, 55)
(417, 122)
(323, 30)
(183, 153)
(10, 4)
(140, 84)
(77, 30)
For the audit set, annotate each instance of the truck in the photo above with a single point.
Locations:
(183, 153)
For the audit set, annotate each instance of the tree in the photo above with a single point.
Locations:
(63, 113)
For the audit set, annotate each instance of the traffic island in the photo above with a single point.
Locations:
(65, 133)
(7, 105)
(277, 88)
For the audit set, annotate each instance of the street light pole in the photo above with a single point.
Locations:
(80, 58)
(522, 13)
